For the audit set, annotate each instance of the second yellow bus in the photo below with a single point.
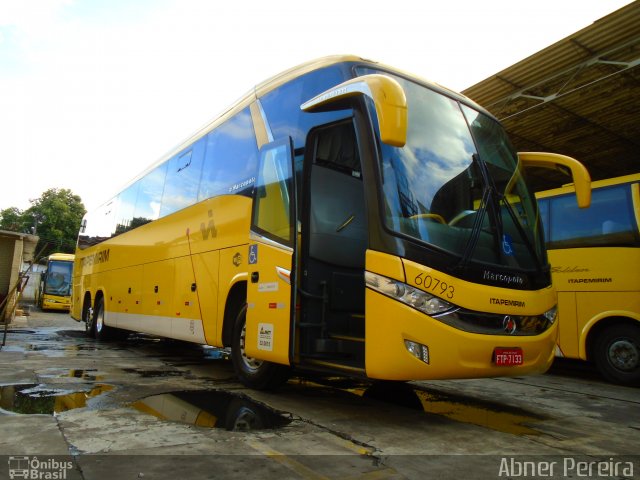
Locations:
(595, 258)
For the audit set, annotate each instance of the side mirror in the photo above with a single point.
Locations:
(567, 165)
(387, 95)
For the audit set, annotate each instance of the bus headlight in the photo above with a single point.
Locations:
(413, 297)
(552, 314)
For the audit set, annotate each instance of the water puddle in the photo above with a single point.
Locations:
(88, 374)
(161, 373)
(212, 409)
(495, 416)
(40, 399)
(488, 415)
(492, 415)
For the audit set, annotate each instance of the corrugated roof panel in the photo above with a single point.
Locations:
(579, 96)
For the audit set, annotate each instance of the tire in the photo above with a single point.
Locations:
(101, 331)
(253, 373)
(88, 319)
(617, 354)
(243, 416)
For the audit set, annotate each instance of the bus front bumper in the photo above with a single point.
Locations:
(56, 303)
(452, 353)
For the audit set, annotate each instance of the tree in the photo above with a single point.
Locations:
(12, 219)
(55, 218)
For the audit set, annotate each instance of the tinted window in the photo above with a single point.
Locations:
(543, 208)
(609, 220)
(149, 196)
(282, 106)
(272, 207)
(231, 158)
(183, 178)
(97, 226)
(125, 205)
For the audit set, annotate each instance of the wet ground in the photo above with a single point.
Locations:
(156, 408)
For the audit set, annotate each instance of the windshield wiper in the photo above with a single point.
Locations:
(516, 221)
(476, 228)
(492, 200)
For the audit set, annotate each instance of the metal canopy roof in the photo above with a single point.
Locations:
(579, 97)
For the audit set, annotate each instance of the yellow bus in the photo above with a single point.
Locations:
(595, 258)
(54, 292)
(326, 222)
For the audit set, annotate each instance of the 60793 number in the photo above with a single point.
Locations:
(435, 285)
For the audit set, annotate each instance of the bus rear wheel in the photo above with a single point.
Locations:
(101, 330)
(88, 319)
(253, 373)
(617, 354)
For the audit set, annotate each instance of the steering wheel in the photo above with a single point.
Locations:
(430, 216)
(461, 216)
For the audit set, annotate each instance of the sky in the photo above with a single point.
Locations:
(92, 92)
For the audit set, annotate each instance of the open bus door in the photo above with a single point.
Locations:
(270, 314)
(264, 339)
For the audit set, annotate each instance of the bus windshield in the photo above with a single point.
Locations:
(456, 185)
(58, 281)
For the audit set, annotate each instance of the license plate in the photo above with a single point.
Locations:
(507, 357)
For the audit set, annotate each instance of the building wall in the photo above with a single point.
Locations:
(29, 292)
(7, 246)
(10, 251)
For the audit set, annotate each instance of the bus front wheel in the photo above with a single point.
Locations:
(617, 354)
(253, 373)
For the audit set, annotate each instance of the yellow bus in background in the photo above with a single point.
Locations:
(342, 217)
(54, 291)
(595, 258)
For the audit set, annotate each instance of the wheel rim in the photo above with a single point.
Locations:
(250, 363)
(99, 319)
(624, 354)
(245, 421)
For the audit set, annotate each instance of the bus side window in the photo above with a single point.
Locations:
(183, 178)
(282, 105)
(125, 206)
(543, 208)
(231, 158)
(608, 221)
(149, 196)
(98, 225)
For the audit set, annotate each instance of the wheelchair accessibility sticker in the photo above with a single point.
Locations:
(507, 244)
(253, 254)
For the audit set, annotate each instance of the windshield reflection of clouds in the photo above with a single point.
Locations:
(433, 187)
(439, 147)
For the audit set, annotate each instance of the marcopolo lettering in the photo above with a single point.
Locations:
(500, 277)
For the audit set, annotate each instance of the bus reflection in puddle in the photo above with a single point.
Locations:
(212, 409)
(492, 415)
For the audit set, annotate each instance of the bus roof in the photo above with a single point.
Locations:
(635, 177)
(64, 257)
